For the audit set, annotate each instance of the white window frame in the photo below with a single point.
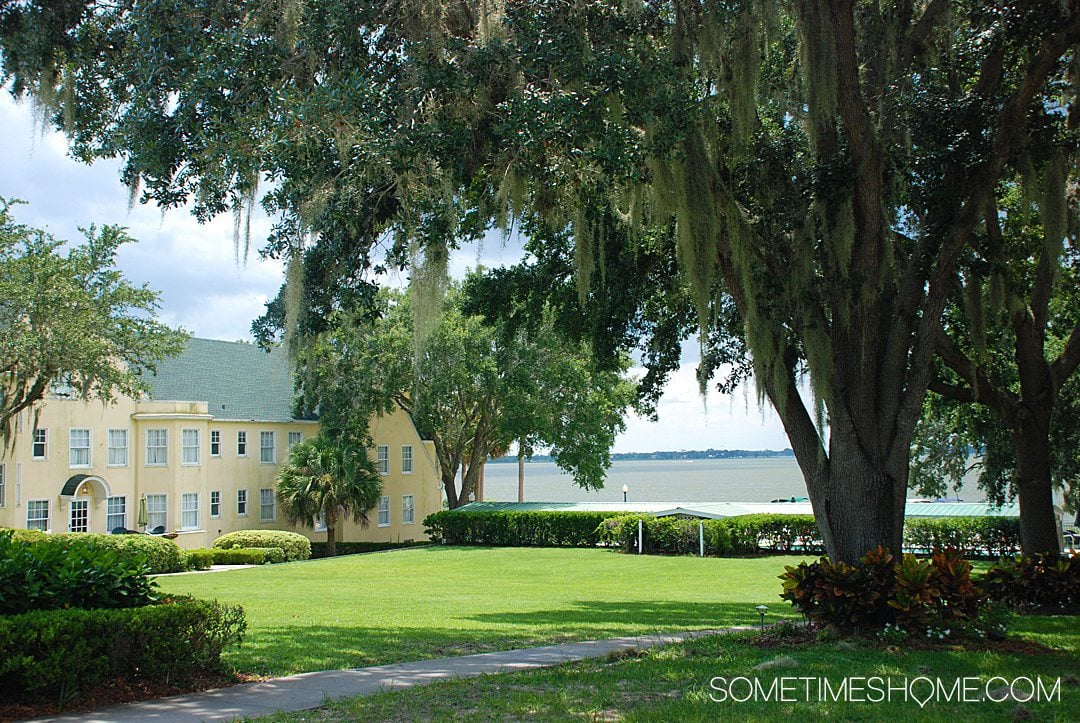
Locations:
(382, 459)
(215, 442)
(408, 510)
(163, 447)
(76, 504)
(35, 505)
(267, 493)
(241, 443)
(189, 511)
(294, 439)
(189, 452)
(384, 511)
(114, 451)
(242, 503)
(86, 448)
(406, 459)
(111, 523)
(215, 503)
(43, 432)
(152, 512)
(320, 522)
(264, 448)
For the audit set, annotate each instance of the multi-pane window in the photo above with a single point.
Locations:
(157, 447)
(241, 503)
(408, 510)
(118, 448)
(241, 443)
(295, 438)
(267, 511)
(3, 486)
(215, 503)
(266, 447)
(406, 459)
(384, 512)
(80, 516)
(41, 443)
(382, 458)
(79, 448)
(116, 513)
(215, 442)
(189, 446)
(37, 515)
(189, 511)
(157, 516)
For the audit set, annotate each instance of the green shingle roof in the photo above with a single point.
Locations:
(237, 380)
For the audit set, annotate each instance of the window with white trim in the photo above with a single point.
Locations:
(37, 515)
(384, 512)
(118, 447)
(267, 506)
(295, 438)
(382, 459)
(241, 443)
(41, 444)
(408, 510)
(79, 515)
(189, 511)
(189, 446)
(78, 447)
(157, 514)
(116, 513)
(241, 503)
(215, 442)
(215, 503)
(406, 459)
(266, 447)
(157, 447)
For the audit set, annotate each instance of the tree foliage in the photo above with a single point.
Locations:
(70, 322)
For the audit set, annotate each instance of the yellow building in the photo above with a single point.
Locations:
(201, 452)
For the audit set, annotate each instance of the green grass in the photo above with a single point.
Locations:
(673, 683)
(436, 601)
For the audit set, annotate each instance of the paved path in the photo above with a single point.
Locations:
(311, 690)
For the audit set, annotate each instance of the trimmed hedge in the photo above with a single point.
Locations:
(318, 549)
(55, 574)
(294, 545)
(53, 654)
(986, 537)
(201, 558)
(159, 554)
(515, 529)
(249, 556)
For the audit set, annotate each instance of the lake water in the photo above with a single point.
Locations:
(758, 479)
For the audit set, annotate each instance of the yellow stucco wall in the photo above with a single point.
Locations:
(27, 479)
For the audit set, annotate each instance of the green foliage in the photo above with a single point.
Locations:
(294, 545)
(249, 556)
(318, 549)
(990, 537)
(732, 535)
(160, 554)
(201, 558)
(49, 575)
(71, 319)
(1048, 583)
(53, 653)
(515, 529)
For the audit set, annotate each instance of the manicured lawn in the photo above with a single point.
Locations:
(436, 601)
(680, 683)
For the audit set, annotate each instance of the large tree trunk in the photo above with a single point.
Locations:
(331, 533)
(1038, 523)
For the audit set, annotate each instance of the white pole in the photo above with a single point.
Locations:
(701, 537)
(640, 534)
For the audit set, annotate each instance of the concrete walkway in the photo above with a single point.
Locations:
(311, 690)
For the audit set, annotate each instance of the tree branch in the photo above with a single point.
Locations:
(1063, 367)
(915, 40)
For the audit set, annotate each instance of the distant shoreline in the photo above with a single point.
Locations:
(682, 454)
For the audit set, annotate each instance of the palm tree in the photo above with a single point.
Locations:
(327, 479)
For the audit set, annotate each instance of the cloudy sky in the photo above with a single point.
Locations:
(211, 293)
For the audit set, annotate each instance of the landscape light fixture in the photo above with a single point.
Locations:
(762, 609)
(625, 489)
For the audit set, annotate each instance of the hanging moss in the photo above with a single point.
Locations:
(427, 288)
(975, 310)
(817, 53)
(583, 251)
(294, 295)
(1053, 208)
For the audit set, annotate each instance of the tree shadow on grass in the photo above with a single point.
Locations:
(658, 614)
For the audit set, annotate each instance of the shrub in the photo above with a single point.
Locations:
(515, 529)
(772, 531)
(53, 574)
(989, 537)
(295, 545)
(249, 556)
(159, 554)
(201, 558)
(54, 653)
(318, 549)
(1044, 582)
